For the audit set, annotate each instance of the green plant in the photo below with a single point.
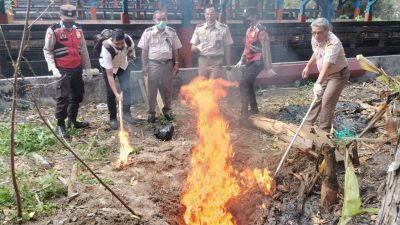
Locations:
(28, 138)
(36, 194)
(89, 180)
(163, 120)
(352, 201)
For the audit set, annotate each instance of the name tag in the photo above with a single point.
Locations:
(78, 34)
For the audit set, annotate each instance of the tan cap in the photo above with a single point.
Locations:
(68, 12)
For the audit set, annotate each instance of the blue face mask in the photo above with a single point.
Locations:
(161, 25)
(68, 24)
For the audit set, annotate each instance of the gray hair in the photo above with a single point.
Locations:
(322, 22)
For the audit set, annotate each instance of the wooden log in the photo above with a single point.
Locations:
(330, 186)
(389, 213)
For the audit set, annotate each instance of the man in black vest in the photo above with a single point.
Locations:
(114, 63)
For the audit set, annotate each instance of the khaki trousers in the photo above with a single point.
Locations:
(325, 106)
(160, 78)
(211, 66)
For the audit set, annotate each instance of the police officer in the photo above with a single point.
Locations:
(66, 55)
(256, 56)
(160, 62)
(114, 63)
(212, 40)
(328, 54)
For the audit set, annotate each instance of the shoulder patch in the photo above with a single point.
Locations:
(200, 25)
(223, 25)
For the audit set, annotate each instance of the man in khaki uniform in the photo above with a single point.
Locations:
(333, 73)
(213, 41)
(66, 55)
(160, 61)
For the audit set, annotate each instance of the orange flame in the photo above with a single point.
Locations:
(125, 148)
(211, 182)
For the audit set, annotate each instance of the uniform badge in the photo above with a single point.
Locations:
(78, 34)
(49, 35)
(63, 36)
(253, 34)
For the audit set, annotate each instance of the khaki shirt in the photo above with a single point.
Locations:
(212, 40)
(160, 44)
(120, 60)
(332, 51)
(50, 41)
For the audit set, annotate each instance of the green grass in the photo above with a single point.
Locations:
(29, 137)
(37, 193)
(90, 180)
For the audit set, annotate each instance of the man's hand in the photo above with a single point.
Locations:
(144, 71)
(318, 90)
(305, 72)
(175, 70)
(56, 73)
(239, 65)
(119, 97)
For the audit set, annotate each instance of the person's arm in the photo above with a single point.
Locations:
(266, 49)
(145, 56)
(48, 48)
(324, 72)
(310, 62)
(85, 59)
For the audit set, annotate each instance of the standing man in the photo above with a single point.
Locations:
(256, 57)
(114, 63)
(212, 40)
(328, 54)
(160, 61)
(66, 55)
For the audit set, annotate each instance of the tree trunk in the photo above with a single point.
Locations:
(389, 214)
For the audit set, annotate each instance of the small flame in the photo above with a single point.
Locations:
(125, 148)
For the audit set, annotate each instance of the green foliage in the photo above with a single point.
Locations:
(28, 138)
(163, 120)
(352, 201)
(93, 151)
(36, 193)
(89, 180)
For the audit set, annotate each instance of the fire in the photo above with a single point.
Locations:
(212, 183)
(125, 148)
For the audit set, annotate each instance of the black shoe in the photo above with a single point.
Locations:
(128, 118)
(114, 124)
(169, 116)
(151, 119)
(254, 111)
(62, 132)
(77, 125)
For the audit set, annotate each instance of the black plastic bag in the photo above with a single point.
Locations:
(164, 132)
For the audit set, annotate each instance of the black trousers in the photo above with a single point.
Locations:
(70, 90)
(246, 85)
(125, 85)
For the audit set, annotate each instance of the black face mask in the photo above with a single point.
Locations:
(246, 22)
(68, 24)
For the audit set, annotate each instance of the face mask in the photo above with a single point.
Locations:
(120, 49)
(68, 24)
(161, 25)
(246, 22)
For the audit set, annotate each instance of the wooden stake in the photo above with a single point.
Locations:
(120, 113)
(330, 186)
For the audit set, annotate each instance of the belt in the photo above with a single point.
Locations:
(160, 61)
(212, 56)
(344, 68)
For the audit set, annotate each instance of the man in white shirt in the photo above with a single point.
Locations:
(329, 55)
(114, 63)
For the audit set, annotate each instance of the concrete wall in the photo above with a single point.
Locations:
(45, 87)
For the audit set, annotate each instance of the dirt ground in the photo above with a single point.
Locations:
(153, 184)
